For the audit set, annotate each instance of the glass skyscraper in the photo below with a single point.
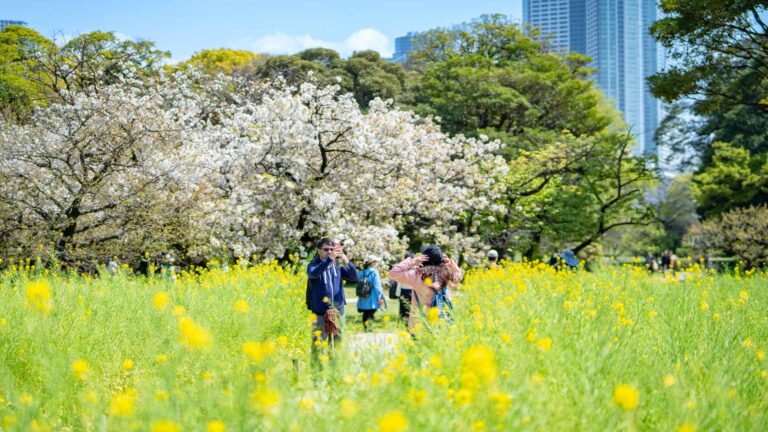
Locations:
(403, 46)
(6, 23)
(614, 33)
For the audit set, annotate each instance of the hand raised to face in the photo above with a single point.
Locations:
(420, 259)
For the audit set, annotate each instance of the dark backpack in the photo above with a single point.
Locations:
(394, 290)
(363, 289)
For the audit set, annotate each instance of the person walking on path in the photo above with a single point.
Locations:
(432, 276)
(325, 293)
(370, 296)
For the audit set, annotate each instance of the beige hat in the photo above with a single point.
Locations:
(372, 258)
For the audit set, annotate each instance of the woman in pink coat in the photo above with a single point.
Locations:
(432, 276)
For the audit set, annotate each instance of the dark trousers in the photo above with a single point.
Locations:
(367, 316)
(405, 305)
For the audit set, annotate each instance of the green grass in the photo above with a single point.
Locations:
(531, 349)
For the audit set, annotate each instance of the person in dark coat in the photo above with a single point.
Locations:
(325, 292)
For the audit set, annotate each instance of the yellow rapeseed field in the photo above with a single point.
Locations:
(529, 349)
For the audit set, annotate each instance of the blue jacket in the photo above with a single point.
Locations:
(324, 280)
(372, 301)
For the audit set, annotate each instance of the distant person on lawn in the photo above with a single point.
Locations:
(325, 293)
(431, 275)
(370, 299)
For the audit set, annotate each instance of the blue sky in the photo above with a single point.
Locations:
(286, 26)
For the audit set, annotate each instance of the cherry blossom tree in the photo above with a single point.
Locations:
(105, 173)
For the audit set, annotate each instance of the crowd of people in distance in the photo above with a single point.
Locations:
(667, 261)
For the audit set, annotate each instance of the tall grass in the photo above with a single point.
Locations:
(530, 349)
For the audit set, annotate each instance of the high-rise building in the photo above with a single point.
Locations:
(6, 23)
(614, 33)
(403, 46)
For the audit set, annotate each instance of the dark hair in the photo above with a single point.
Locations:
(324, 241)
(434, 253)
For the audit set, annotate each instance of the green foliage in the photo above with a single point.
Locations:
(495, 79)
(224, 60)
(364, 74)
(741, 232)
(35, 71)
(18, 93)
(571, 177)
(720, 55)
(676, 211)
(712, 44)
(734, 178)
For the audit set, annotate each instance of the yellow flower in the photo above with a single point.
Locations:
(307, 404)
(242, 306)
(685, 427)
(39, 295)
(193, 336)
(669, 380)
(506, 338)
(478, 426)
(715, 316)
(160, 300)
(165, 426)
(463, 397)
(393, 421)
(416, 397)
(216, 426)
(652, 314)
(348, 408)
(744, 294)
(433, 315)
(704, 306)
(258, 351)
(501, 402)
(478, 365)
(127, 365)
(162, 395)
(179, 310)
(544, 344)
(26, 399)
(626, 397)
(266, 400)
(80, 369)
(122, 404)
(760, 355)
(161, 358)
(282, 340)
(747, 343)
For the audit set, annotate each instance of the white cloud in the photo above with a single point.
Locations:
(281, 43)
(369, 39)
(122, 36)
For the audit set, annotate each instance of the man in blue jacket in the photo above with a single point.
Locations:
(325, 291)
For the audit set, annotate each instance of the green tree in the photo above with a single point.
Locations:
(675, 210)
(713, 45)
(223, 60)
(741, 232)
(735, 178)
(492, 78)
(364, 74)
(571, 178)
(35, 71)
(18, 93)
